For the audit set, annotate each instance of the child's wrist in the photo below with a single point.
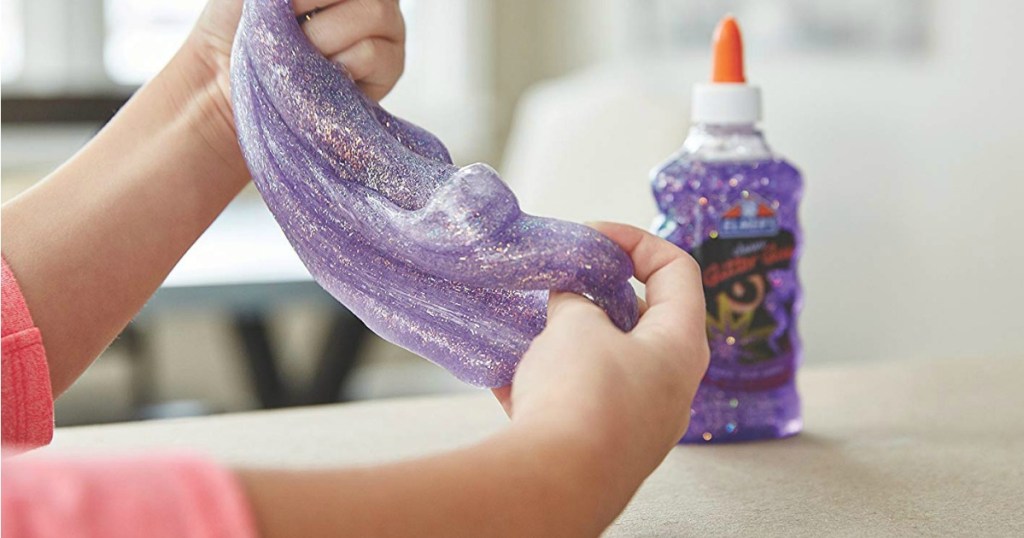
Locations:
(194, 89)
(578, 461)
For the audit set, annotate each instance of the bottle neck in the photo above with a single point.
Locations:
(719, 142)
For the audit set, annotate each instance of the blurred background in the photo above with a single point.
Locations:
(904, 115)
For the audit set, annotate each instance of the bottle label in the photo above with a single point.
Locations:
(749, 286)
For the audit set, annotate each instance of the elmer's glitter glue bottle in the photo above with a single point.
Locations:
(728, 200)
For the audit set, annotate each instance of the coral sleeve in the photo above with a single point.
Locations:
(153, 495)
(27, 398)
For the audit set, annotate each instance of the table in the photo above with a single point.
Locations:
(890, 448)
(244, 265)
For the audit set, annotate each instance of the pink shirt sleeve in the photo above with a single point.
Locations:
(153, 496)
(26, 398)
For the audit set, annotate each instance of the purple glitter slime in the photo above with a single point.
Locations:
(435, 258)
(749, 391)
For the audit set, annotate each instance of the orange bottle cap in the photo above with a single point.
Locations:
(727, 99)
(727, 62)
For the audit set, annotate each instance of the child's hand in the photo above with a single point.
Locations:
(626, 396)
(593, 411)
(366, 36)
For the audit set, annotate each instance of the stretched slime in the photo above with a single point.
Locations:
(435, 258)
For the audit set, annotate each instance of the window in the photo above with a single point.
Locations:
(13, 44)
(78, 60)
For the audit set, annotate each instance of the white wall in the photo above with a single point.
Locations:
(914, 170)
(915, 187)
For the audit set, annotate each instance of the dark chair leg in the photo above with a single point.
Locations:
(270, 387)
(143, 378)
(339, 357)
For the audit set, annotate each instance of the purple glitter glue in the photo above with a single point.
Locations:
(437, 259)
(751, 289)
(726, 199)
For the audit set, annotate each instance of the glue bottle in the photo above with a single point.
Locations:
(732, 203)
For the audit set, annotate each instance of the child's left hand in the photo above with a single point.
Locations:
(366, 36)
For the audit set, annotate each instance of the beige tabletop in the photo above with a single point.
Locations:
(889, 448)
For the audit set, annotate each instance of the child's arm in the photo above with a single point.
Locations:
(92, 242)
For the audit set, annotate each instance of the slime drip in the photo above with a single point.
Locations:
(435, 258)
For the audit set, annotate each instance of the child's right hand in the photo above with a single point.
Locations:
(625, 397)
